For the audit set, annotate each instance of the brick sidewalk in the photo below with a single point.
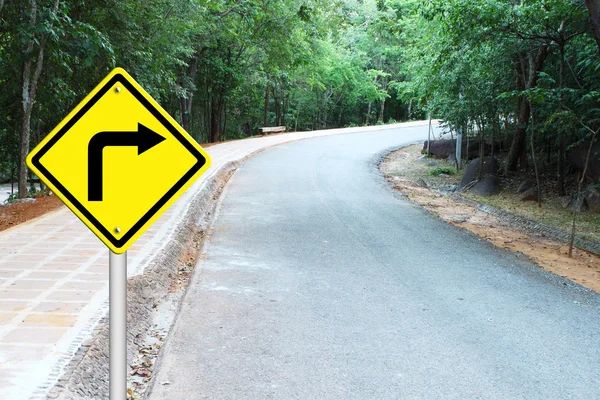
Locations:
(54, 278)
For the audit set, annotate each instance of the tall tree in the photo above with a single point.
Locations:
(34, 40)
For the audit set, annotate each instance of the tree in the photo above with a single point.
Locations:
(33, 38)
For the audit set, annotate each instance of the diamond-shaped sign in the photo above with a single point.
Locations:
(118, 160)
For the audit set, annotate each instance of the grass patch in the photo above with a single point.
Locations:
(442, 170)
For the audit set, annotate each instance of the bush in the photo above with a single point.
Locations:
(438, 171)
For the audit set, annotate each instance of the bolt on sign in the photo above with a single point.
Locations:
(118, 160)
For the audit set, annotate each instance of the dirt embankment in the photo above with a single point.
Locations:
(13, 214)
(408, 172)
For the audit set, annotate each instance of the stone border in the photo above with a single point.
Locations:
(531, 225)
(87, 373)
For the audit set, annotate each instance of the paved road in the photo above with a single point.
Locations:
(54, 276)
(320, 283)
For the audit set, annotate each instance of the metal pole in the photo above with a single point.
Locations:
(117, 264)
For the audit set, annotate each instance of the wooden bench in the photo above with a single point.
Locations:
(271, 129)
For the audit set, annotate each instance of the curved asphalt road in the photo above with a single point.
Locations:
(319, 282)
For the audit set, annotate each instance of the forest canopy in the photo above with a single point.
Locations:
(224, 68)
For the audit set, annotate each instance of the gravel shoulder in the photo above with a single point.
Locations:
(408, 172)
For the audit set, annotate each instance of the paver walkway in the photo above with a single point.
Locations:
(54, 278)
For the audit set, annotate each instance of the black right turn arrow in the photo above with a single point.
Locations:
(144, 138)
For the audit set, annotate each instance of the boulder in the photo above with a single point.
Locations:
(530, 195)
(447, 188)
(579, 205)
(565, 201)
(422, 183)
(491, 166)
(446, 148)
(577, 156)
(525, 186)
(592, 199)
(487, 186)
(573, 204)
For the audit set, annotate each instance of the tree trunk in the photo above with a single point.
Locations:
(27, 106)
(277, 102)
(266, 106)
(517, 147)
(12, 180)
(324, 111)
(24, 145)
(368, 114)
(186, 102)
(594, 10)
(382, 108)
(523, 159)
(183, 111)
(29, 86)
(468, 140)
(341, 113)
(577, 199)
(223, 114)
(480, 122)
(429, 136)
(535, 168)
(286, 104)
(215, 122)
(561, 138)
(561, 165)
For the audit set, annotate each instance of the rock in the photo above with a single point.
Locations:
(447, 188)
(446, 148)
(579, 205)
(487, 186)
(578, 154)
(439, 148)
(592, 198)
(564, 201)
(490, 168)
(525, 186)
(460, 218)
(530, 195)
(422, 183)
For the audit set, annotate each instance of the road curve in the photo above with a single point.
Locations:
(319, 282)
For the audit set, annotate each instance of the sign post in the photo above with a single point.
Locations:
(117, 265)
(118, 161)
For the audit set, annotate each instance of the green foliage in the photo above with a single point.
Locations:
(224, 68)
(442, 170)
(12, 197)
(212, 65)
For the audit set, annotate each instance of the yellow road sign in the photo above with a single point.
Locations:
(118, 160)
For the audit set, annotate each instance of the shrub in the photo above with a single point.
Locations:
(439, 170)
